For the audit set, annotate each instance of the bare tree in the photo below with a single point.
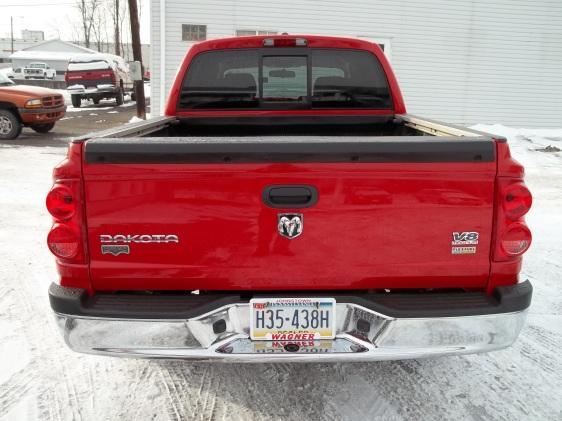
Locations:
(99, 27)
(117, 29)
(123, 23)
(88, 10)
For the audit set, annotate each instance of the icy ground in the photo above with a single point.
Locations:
(40, 379)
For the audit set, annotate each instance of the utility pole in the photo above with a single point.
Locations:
(137, 56)
(117, 37)
(12, 32)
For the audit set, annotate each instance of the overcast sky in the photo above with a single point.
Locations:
(56, 17)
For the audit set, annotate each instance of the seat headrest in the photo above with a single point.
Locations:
(329, 82)
(240, 80)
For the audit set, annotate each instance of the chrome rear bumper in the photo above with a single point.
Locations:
(98, 89)
(223, 334)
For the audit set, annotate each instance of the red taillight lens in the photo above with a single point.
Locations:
(63, 242)
(513, 201)
(516, 239)
(517, 200)
(61, 203)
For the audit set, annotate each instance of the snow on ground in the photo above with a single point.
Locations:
(135, 119)
(40, 379)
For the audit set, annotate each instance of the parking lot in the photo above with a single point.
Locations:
(41, 379)
(89, 117)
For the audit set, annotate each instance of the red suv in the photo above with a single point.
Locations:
(97, 77)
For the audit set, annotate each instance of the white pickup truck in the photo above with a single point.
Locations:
(38, 70)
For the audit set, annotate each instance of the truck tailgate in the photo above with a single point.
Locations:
(387, 213)
(89, 78)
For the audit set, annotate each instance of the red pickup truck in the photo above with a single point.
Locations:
(287, 208)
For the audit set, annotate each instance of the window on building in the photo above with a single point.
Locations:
(252, 32)
(193, 32)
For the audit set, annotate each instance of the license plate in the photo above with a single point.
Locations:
(292, 319)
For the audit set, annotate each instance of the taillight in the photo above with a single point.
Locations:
(68, 237)
(516, 239)
(514, 200)
(63, 241)
(64, 202)
(113, 77)
(61, 202)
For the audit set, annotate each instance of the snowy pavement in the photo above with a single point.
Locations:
(40, 379)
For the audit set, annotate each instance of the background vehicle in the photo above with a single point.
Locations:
(39, 71)
(287, 207)
(97, 77)
(15, 73)
(27, 106)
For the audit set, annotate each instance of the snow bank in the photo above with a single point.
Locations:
(135, 119)
(535, 148)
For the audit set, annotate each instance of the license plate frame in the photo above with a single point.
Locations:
(262, 328)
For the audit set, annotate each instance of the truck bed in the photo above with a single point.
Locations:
(402, 126)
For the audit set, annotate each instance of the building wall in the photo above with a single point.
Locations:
(457, 60)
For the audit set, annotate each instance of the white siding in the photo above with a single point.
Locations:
(457, 60)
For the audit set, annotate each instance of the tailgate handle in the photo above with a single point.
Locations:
(290, 196)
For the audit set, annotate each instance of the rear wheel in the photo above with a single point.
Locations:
(10, 126)
(119, 97)
(96, 100)
(76, 101)
(43, 128)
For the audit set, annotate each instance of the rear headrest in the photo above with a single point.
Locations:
(329, 82)
(240, 81)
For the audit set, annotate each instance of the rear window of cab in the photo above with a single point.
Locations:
(289, 79)
(95, 64)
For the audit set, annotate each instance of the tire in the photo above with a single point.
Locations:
(119, 97)
(43, 128)
(96, 100)
(10, 126)
(76, 101)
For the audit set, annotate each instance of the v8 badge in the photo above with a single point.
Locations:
(463, 238)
